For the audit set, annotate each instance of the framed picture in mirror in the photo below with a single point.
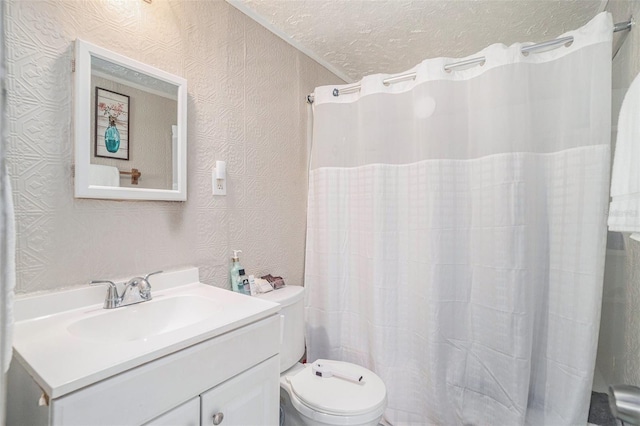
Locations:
(112, 124)
(130, 119)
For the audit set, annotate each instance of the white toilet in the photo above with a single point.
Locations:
(306, 398)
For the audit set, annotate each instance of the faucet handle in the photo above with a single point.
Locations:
(144, 287)
(96, 282)
(112, 299)
(146, 277)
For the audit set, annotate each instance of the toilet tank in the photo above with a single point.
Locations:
(291, 300)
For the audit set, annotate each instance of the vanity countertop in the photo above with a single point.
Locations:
(66, 340)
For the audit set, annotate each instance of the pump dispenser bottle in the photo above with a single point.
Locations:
(235, 271)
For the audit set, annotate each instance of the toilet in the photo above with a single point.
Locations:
(322, 392)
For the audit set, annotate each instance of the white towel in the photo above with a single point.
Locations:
(103, 175)
(624, 210)
(7, 268)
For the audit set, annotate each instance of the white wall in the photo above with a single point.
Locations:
(619, 344)
(246, 106)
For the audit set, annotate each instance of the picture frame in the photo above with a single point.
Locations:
(111, 124)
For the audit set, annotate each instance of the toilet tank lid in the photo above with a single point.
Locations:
(285, 296)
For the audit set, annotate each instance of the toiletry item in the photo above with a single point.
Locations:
(235, 268)
(243, 283)
(276, 282)
(252, 285)
(246, 286)
(263, 286)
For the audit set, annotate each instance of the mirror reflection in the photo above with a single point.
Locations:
(134, 131)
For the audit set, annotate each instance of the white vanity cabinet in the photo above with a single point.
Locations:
(236, 374)
(226, 366)
(187, 414)
(247, 399)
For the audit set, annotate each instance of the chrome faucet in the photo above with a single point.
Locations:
(136, 290)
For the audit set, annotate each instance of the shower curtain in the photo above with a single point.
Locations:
(456, 233)
(7, 241)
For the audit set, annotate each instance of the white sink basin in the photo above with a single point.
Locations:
(144, 320)
(66, 340)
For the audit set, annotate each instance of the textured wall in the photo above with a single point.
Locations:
(246, 91)
(619, 345)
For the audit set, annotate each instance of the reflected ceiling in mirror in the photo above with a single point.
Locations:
(101, 67)
(130, 128)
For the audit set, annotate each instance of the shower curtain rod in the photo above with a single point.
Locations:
(621, 26)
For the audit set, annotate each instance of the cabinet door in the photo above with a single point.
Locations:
(187, 414)
(250, 398)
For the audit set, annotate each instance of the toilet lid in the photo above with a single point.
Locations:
(333, 395)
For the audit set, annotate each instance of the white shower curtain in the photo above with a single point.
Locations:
(456, 233)
(7, 241)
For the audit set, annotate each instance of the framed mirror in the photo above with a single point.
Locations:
(130, 126)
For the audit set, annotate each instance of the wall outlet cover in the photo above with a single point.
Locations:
(219, 185)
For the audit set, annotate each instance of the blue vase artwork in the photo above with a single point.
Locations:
(112, 136)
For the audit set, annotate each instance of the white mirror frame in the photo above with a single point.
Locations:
(82, 128)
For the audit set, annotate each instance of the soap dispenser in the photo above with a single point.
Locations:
(235, 271)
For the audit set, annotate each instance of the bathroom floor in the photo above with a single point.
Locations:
(599, 412)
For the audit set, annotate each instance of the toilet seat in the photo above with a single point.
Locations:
(338, 401)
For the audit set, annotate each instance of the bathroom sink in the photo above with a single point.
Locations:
(144, 320)
(67, 341)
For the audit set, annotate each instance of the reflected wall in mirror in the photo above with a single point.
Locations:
(130, 124)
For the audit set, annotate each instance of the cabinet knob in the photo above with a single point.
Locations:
(217, 418)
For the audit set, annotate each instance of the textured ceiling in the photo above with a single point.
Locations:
(355, 38)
